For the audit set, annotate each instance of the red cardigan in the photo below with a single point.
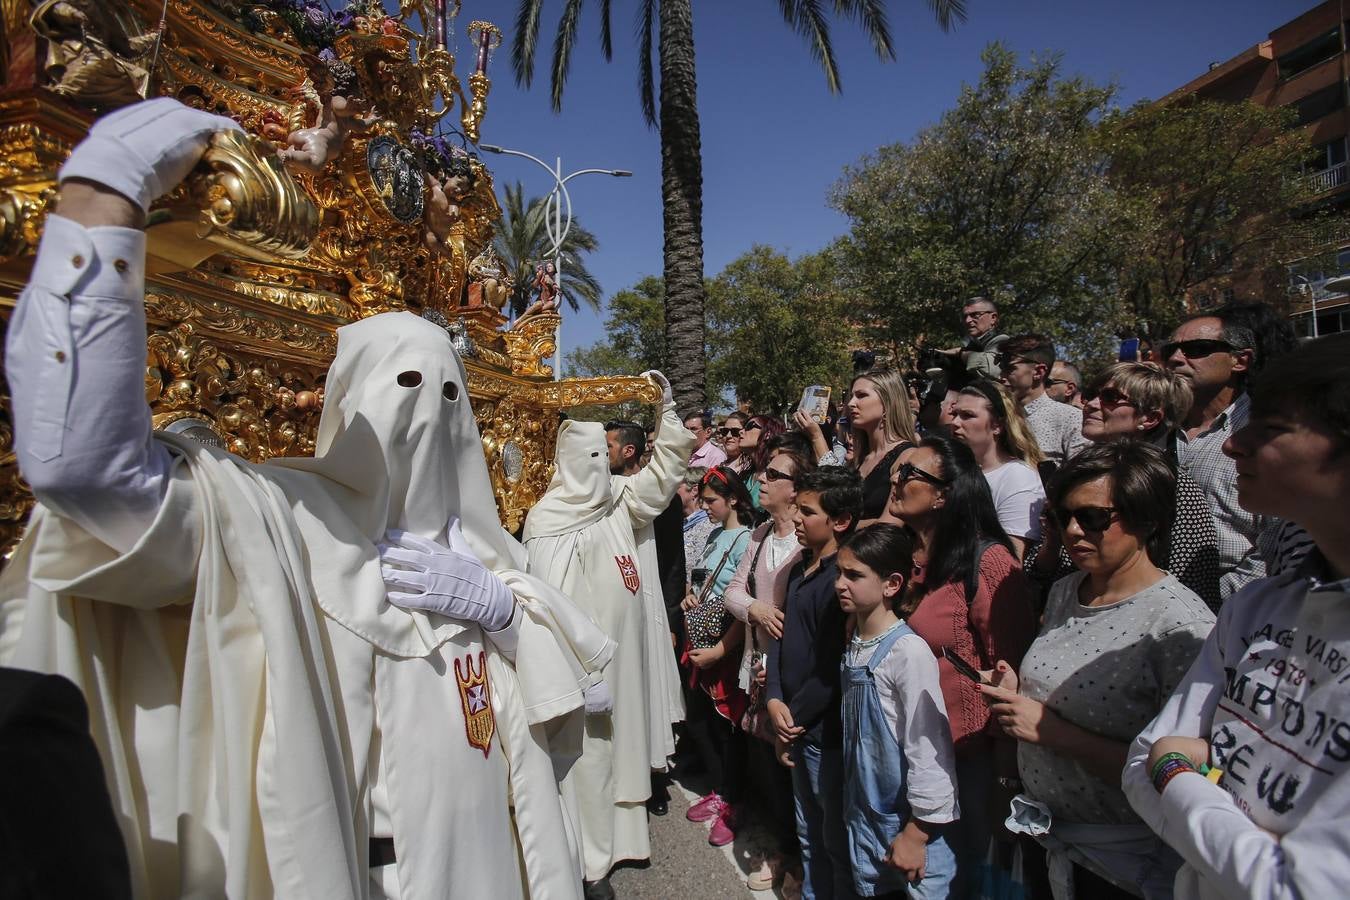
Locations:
(1000, 624)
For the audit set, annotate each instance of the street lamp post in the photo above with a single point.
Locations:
(554, 222)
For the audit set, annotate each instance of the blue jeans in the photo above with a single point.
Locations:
(818, 792)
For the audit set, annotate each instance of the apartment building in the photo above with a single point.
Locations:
(1301, 65)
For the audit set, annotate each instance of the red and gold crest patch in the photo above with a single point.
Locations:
(628, 569)
(475, 697)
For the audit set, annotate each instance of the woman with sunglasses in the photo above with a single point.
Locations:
(986, 419)
(1136, 401)
(968, 596)
(756, 596)
(716, 700)
(1116, 639)
(729, 435)
(755, 438)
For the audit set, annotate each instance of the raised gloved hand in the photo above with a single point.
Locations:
(662, 382)
(421, 574)
(144, 150)
(599, 699)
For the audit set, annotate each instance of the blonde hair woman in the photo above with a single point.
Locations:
(883, 426)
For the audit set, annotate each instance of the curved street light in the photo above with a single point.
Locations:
(554, 223)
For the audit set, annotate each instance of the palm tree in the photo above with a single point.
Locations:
(522, 243)
(681, 157)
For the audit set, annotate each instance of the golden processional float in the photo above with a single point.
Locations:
(347, 196)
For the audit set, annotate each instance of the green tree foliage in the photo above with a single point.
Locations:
(635, 342)
(776, 325)
(522, 242)
(1005, 196)
(1212, 189)
(666, 30)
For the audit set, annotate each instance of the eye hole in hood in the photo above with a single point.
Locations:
(450, 390)
(410, 379)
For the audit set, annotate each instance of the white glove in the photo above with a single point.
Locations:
(144, 150)
(662, 382)
(421, 574)
(599, 699)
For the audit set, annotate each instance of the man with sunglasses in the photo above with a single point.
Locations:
(1025, 361)
(1215, 357)
(1266, 703)
(706, 454)
(979, 318)
(1065, 384)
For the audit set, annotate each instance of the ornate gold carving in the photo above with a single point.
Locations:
(227, 320)
(251, 402)
(532, 341)
(23, 209)
(305, 299)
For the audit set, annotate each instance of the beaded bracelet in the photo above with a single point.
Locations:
(1169, 766)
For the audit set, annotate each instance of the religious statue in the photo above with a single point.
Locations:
(494, 281)
(334, 88)
(546, 283)
(91, 57)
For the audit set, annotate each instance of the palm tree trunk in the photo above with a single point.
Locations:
(682, 206)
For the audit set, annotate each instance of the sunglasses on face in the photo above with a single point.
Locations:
(1050, 382)
(1089, 518)
(752, 427)
(729, 432)
(1008, 362)
(909, 472)
(977, 314)
(1109, 398)
(776, 475)
(1197, 349)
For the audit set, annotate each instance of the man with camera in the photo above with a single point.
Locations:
(980, 352)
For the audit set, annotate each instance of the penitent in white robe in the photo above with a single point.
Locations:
(665, 700)
(580, 539)
(262, 710)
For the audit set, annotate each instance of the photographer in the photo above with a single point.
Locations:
(980, 352)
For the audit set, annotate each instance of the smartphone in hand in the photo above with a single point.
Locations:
(962, 666)
(816, 402)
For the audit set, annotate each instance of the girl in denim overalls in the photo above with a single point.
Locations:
(899, 769)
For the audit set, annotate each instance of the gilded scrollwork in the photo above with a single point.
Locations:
(242, 334)
(530, 342)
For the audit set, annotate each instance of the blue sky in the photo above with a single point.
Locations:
(775, 140)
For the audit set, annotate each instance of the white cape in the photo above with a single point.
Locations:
(580, 539)
(240, 660)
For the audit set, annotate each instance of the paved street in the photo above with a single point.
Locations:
(683, 864)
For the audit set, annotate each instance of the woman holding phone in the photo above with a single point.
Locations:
(1116, 639)
(969, 600)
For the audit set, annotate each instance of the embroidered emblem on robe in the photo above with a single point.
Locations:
(475, 696)
(628, 569)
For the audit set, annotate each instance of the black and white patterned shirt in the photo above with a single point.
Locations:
(1245, 539)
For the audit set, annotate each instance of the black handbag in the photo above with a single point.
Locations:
(705, 624)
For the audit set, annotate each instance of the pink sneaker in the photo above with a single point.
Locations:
(706, 808)
(723, 828)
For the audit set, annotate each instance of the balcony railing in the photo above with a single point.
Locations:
(1327, 179)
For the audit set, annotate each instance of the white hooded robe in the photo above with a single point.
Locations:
(260, 707)
(580, 538)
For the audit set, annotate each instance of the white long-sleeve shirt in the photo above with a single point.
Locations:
(1269, 692)
(75, 360)
(911, 702)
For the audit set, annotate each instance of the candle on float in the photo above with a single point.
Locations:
(483, 39)
(442, 42)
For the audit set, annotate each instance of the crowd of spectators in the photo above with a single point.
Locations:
(1001, 577)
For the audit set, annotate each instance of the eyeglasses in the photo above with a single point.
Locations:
(752, 426)
(729, 432)
(1196, 349)
(977, 314)
(909, 472)
(1108, 398)
(776, 475)
(1050, 382)
(1089, 518)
